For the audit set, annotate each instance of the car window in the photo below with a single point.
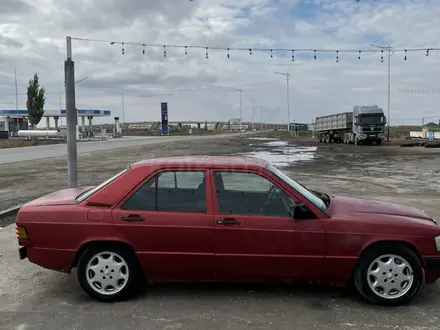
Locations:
(237, 181)
(250, 194)
(171, 191)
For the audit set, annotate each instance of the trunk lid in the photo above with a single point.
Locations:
(60, 197)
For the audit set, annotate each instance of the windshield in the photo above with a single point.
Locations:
(86, 194)
(370, 120)
(315, 200)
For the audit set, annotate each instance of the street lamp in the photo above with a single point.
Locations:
(390, 52)
(287, 74)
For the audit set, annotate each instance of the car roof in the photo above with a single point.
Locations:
(204, 160)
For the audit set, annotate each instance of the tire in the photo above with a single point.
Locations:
(379, 142)
(129, 266)
(411, 275)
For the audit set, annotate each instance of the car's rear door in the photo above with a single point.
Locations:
(169, 220)
(252, 242)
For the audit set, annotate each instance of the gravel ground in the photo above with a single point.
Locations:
(33, 298)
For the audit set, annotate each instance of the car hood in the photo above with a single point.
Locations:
(342, 206)
(60, 197)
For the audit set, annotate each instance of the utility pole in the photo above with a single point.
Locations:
(389, 89)
(390, 52)
(287, 74)
(122, 104)
(253, 112)
(241, 108)
(16, 100)
(71, 117)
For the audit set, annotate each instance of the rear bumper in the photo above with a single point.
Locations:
(58, 260)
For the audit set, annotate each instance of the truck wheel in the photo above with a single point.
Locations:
(379, 142)
(389, 274)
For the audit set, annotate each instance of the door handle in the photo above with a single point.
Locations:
(132, 218)
(228, 221)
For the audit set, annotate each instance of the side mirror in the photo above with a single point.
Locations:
(294, 208)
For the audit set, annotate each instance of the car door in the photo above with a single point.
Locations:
(169, 220)
(259, 242)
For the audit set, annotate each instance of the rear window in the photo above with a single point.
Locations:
(86, 194)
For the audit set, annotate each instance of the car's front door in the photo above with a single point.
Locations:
(255, 235)
(170, 223)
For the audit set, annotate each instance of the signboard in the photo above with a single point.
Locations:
(164, 117)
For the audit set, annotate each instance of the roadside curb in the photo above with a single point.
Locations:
(9, 211)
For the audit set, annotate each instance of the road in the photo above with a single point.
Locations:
(13, 155)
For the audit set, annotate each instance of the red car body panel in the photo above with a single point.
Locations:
(174, 246)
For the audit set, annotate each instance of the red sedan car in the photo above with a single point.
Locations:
(224, 219)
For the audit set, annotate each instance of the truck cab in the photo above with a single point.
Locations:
(368, 124)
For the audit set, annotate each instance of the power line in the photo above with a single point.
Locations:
(271, 51)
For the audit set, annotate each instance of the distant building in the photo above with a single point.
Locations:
(299, 127)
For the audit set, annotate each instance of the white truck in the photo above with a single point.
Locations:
(364, 125)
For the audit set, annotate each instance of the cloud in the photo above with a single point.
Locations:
(33, 33)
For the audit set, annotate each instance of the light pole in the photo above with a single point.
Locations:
(61, 92)
(253, 112)
(122, 104)
(287, 74)
(390, 52)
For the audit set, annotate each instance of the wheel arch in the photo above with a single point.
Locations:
(102, 243)
(376, 244)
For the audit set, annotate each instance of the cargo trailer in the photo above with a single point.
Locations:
(363, 125)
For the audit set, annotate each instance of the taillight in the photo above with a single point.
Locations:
(21, 233)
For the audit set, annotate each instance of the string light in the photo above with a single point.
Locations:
(252, 50)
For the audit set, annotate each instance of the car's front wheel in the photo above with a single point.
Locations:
(108, 273)
(389, 274)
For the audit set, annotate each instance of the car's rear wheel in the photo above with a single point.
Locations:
(389, 275)
(108, 273)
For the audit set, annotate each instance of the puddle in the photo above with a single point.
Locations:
(281, 154)
(262, 139)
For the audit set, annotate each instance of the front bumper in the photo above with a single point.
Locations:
(432, 264)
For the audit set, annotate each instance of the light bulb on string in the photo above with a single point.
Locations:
(250, 51)
(228, 53)
(337, 56)
(427, 52)
(381, 56)
(314, 54)
(405, 55)
(122, 50)
(271, 53)
(186, 50)
(293, 55)
(164, 51)
(206, 54)
(359, 55)
(143, 49)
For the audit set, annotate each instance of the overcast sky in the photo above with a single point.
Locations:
(33, 32)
